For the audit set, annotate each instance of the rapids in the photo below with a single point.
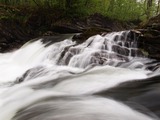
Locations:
(104, 78)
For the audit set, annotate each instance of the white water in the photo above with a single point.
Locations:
(73, 74)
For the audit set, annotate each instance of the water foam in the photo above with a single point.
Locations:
(36, 72)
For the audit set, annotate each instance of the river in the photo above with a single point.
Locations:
(104, 78)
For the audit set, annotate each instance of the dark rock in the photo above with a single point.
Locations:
(63, 29)
(98, 20)
(151, 44)
(136, 53)
(133, 36)
(153, 23)
(49, 40)
(49, 33)
(11, 34)
(120, 50)
(151, 32)
(88, 33)
(149, 40)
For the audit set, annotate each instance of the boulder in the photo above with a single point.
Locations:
(149, 41)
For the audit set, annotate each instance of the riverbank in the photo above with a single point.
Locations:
(19, 25)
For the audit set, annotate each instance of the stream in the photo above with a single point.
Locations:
(107, 77)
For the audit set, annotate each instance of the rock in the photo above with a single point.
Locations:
(149, 40)
(153, 23)
(63, 29)
(49, 33)
(120, 50)
(95, 21)
(100, 21)
(11, 34)
(79, 38)
(151, 44)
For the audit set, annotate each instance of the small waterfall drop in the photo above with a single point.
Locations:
(110, 49)
(60, 81)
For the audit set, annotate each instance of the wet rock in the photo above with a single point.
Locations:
(67, 54)
(79, 38)
(120, 50)
(149, 41)
(137, 53)
(118, 57)
(151, 44)
(31, 74)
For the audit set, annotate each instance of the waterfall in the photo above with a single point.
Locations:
(63, 80)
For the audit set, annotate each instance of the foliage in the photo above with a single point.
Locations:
(125, 10)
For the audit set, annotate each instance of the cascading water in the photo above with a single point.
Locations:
(66, 81)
